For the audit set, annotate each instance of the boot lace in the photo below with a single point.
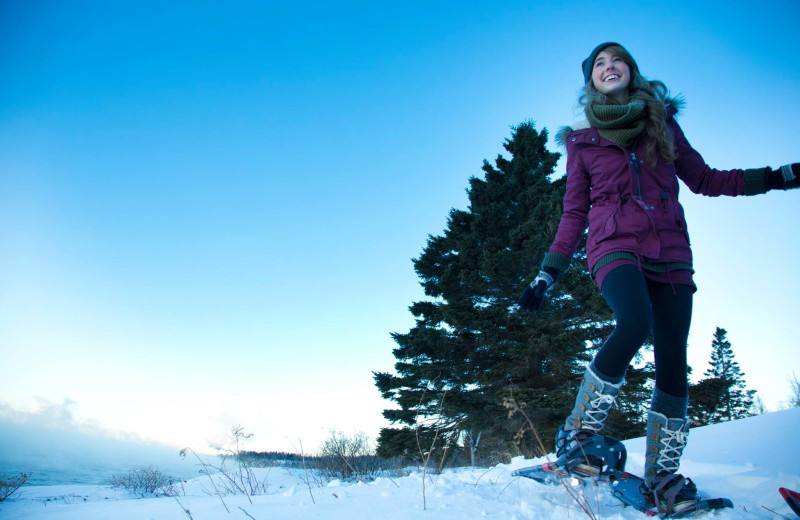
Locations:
(673, 442)
(597, 412)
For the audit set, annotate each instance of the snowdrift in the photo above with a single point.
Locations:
(746, 461)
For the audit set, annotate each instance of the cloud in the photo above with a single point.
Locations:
(54, 416)
(58, 449)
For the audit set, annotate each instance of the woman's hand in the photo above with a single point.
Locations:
(786, 177)
(533, 296)
(791, 176)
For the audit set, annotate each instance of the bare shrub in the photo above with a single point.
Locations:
(145, 481)
(794, 396)
(758, 407)
(350, 458)
(584, 504)
(9, 484)
(233, 472)
(236, 473)
(206, 470)
(306, 476)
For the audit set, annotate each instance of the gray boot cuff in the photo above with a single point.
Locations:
(669, 405)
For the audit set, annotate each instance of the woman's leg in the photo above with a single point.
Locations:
(672, 317)
(667, 425)
(626, 291)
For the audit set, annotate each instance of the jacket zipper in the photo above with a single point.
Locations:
(635, 164)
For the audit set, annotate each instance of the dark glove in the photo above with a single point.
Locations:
(785, 178)
(533, 296)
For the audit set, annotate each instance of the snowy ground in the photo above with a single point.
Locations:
(745, 460)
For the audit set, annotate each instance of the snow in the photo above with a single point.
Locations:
(746, 461)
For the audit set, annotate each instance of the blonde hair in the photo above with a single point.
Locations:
(654, 94)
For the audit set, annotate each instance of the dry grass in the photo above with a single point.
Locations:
(9, 484)
(577, 494)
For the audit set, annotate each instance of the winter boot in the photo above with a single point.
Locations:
(592, 404)
(664, 487)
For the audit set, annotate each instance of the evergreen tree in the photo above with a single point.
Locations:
(471, 348)
(706, 399)
(722, 395)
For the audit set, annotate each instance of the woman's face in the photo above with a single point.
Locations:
(611, 76)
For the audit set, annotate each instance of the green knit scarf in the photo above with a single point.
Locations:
(620, 124)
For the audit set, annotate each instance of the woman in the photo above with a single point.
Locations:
(623, 167)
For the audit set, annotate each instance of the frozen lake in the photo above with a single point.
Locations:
(54, 456)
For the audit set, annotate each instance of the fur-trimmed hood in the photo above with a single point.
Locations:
(565, 131)
(675, 104)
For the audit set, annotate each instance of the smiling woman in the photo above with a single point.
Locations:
(623, 169)
(611, 75)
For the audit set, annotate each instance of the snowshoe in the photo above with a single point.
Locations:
(674, 500)
(792, 498)
(593, 457)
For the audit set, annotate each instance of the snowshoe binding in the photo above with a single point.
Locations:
(589, 457)
(582, 453)
(671, 496)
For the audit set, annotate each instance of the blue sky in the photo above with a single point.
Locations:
(209, 210)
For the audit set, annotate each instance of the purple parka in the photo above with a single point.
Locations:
(630, 206)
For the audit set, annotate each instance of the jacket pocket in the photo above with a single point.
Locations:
(684, 230)
(608, 226)
(680, 220)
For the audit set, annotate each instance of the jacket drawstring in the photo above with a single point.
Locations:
(669, 277)
(663, 196)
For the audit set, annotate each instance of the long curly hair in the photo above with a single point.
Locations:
(658, 138)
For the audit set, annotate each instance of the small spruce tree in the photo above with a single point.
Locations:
(722, 395)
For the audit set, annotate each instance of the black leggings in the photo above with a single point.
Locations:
(641, 306)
